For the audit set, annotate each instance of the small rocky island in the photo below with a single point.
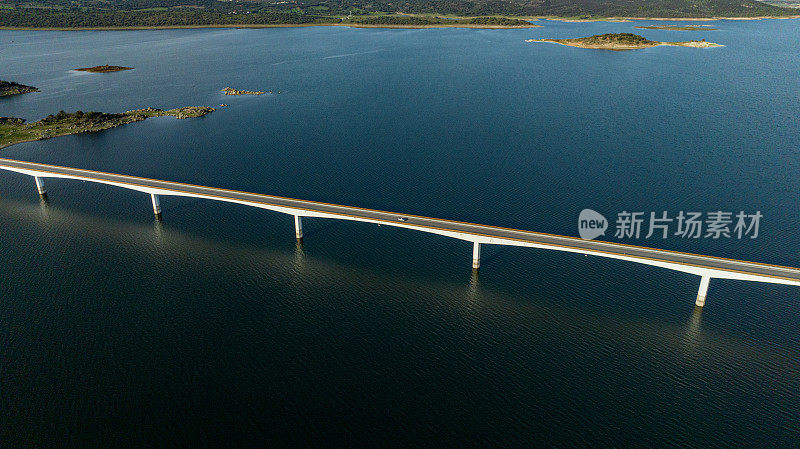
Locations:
(11, 88)
(104, 69)
(232, 91)
(14, 130)
(622, 41)
(678, 27)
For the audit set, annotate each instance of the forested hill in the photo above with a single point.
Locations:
(144, 13)
(663, 8)
(577, 8)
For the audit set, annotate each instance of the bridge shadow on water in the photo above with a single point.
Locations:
(273, 295)
(170, 240)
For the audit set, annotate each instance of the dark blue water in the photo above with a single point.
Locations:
(214, 328)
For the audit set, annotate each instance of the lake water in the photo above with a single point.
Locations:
(213, 328)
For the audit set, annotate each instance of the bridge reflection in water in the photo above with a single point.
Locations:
(706, 267)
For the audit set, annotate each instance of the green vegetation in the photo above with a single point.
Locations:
(615, 38)
(408, 20)
(36, 18)
(104, 69)
(11, 88)
(622, 41)
(177, 13)
(43, 18)
(498, 21)
(677, 28)
(14, 130)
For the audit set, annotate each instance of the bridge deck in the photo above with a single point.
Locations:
(692, 263)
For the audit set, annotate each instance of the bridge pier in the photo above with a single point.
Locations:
(701, 294)
(704, 266)
(298, 227)
(40, 186)
(476, 255)
(156, 204)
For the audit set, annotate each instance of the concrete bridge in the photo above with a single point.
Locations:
(706, 267)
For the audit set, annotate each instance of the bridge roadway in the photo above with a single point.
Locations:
(705, 266)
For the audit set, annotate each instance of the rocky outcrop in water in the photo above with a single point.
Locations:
(104, 68)
(11, 88)
(232, 91)
(622, 41)
(14, 130)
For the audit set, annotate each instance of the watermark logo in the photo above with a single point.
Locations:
(686, 225)
(591, 224)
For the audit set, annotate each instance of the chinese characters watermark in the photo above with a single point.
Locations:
(685, 224)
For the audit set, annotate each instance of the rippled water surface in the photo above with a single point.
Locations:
(213, 328)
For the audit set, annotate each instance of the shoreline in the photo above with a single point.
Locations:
(15, 130)
(667, 19)
(622, 47)
(279, 25)
(356, 25)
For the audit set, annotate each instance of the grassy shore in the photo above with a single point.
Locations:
(677, 28)
(443, 25)
(282, 25)
(14, 130)
(664, 19)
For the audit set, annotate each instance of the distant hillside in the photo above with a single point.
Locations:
(594, 8)
(131, 13)
(666, 8)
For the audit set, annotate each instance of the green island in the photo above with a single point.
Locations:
(8, 88)
(143, 14)
(622, 41)
(104, 69)
(677, 27)
(232, 91)
(15, 130)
